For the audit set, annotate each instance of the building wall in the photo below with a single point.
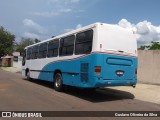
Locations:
(7, 62)
(149, 66)
(18, 64)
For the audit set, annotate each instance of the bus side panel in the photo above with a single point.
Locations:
(76, 72)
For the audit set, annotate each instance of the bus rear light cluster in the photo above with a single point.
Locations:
(136, 72)
(97, 70)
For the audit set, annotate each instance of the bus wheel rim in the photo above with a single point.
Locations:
(58, 82)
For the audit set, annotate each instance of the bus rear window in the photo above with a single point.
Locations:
(84, 42)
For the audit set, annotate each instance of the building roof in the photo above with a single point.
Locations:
(6, 57)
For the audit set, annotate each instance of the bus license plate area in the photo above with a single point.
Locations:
(119, 73)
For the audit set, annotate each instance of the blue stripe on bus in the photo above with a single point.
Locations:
(88, 79)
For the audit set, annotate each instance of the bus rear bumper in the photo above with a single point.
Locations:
(105, 83)
(99, 82)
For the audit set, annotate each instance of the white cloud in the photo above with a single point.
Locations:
(143, 27)
(66, 10)
(125, 24)
(34, 27)
(30, 35)
(64, 1)
(60, 7)
(71, 29)
(68, 30)
(53, 13)
(46, 14)
(145, 31)
(78, 26)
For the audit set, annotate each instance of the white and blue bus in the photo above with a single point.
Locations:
(94, 56)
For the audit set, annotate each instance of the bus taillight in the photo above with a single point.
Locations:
(97, 70)
(136, 72)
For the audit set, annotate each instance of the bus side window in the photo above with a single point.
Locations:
(35, 52)
(84, 42)
(67, 46)
(53, 48)
(42, 51)
(29, 53)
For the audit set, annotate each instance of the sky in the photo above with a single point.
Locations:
(43, 19)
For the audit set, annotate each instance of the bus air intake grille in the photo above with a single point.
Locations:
(84, 67)
(84, 72)
(84, 77)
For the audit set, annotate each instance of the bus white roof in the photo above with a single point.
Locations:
(67, 34)
(73, 32)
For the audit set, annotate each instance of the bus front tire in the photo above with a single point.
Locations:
(58, 82)
(28, 75)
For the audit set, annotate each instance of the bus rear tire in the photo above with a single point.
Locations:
(58, 82)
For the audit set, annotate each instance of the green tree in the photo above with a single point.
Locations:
(143, 47)
(6, 42)
(155, 46)
(36, 40)
(24, 43)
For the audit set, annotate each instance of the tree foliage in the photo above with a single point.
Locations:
(153, 46)
(19, 47)
(6, 42)
(36, 40)
(143, 47)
